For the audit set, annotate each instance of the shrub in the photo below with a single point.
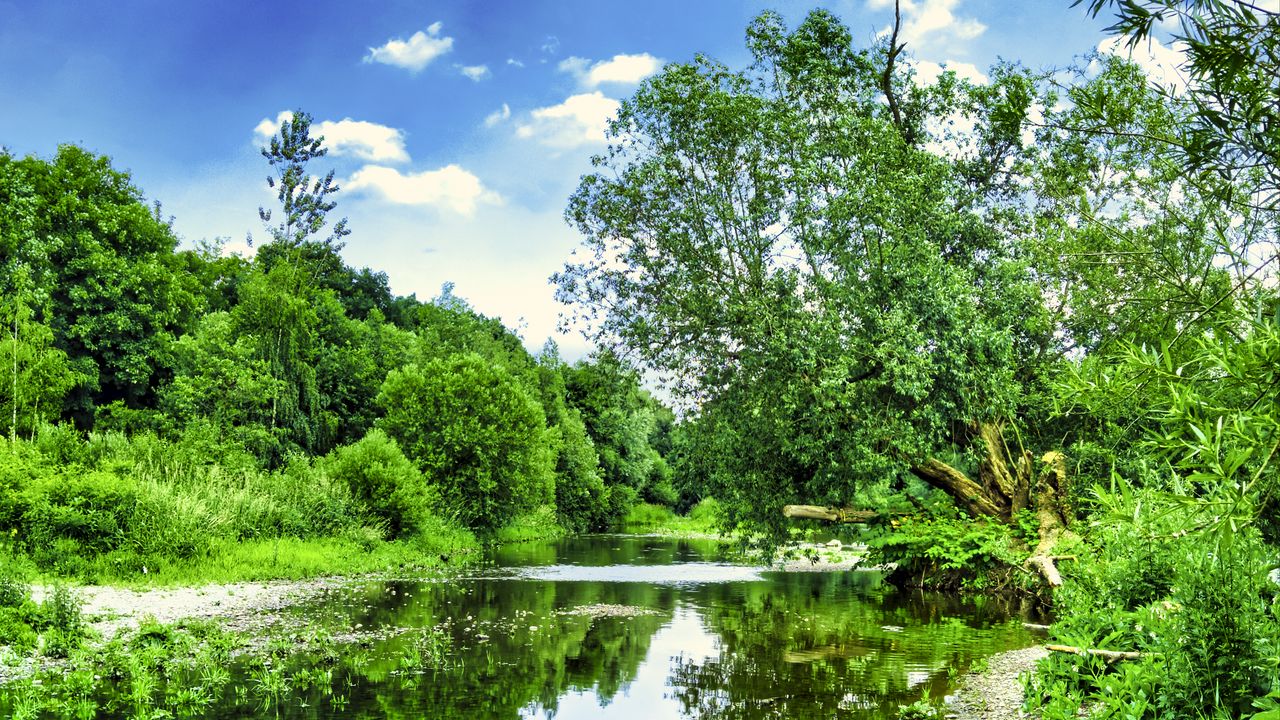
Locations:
(647, 516)
(947, 550)
(14, 590)
(579, 488)
(1213, 637)
(477, 433)
(384, 480)
(62, 621)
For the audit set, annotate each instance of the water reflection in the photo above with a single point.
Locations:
(625, 628)
(621, 628)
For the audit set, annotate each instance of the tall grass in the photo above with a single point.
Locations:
(702, 519)
(110, 507)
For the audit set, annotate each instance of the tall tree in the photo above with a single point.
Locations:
(281, 305)
(842, 285)
(102, 262)
(305, 201)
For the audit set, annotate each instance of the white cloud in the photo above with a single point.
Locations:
(627, 69)
(932, 19)
(450, 187)
(579, 120)
(415, 53)
(498, 116)
(1162, 63)
(474, 72)
(355, 138)
(515, 63)
(928, 72)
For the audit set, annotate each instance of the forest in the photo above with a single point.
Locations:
(1026, 333)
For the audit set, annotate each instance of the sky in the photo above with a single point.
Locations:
(457, 129)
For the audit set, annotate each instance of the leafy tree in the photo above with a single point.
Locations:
(793, 255)
(1233, 74)
(111, 289)
(621, 419)
(219, 378)
(475, 432)
(299, 327)
(37, 374)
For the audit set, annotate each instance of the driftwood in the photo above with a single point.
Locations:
(1108, 655)
(818, 512)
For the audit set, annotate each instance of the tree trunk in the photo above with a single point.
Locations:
(1007, 483)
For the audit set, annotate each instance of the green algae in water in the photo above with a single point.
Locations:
(601, 627)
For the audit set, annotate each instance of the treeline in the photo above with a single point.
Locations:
(157, 400)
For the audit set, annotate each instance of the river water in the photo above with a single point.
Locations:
(650, 628)
(609, 627)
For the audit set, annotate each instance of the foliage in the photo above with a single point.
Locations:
(920, 710)
(142, 508)
(540, 524)
(831, 325)
(475, 432)
(97, 267)
(303, 200)
(947, 550)
(1196, 606)
(1233, 74)
(381, 477)
(38, 374)
(579, 488)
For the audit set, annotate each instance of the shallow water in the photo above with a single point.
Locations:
(623, 628)
(537, 634)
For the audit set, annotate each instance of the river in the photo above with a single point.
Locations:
(607, 627)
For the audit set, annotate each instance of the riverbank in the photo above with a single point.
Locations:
(995, 693)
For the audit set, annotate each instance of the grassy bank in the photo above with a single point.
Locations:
(661, 520)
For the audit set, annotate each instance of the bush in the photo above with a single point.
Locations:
(643, 516)
(618, 501)
(949, 550)
(14, 590)
(385, 481)
(1213, 638)
(62, 622)
(579, 488)
(476, 433)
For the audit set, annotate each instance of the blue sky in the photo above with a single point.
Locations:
(458, 129)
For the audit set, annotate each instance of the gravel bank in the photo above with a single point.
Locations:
(239, 605)
(995, 693)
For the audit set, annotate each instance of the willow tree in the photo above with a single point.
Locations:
(810, 256)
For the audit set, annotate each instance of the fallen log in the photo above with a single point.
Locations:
(818, 512)
(1108, 655)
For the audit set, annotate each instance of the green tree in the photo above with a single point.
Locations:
(304, 200)
(620, 418)
(38, 375)
(219, 378)
(791, 252)
(102, 262)
(475, 432)
(299, 327)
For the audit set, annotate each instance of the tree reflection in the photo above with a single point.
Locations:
(805, 646)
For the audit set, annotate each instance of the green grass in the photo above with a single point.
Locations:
(142, 511)
(540, 524)
(649, 518)
(290, 558)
